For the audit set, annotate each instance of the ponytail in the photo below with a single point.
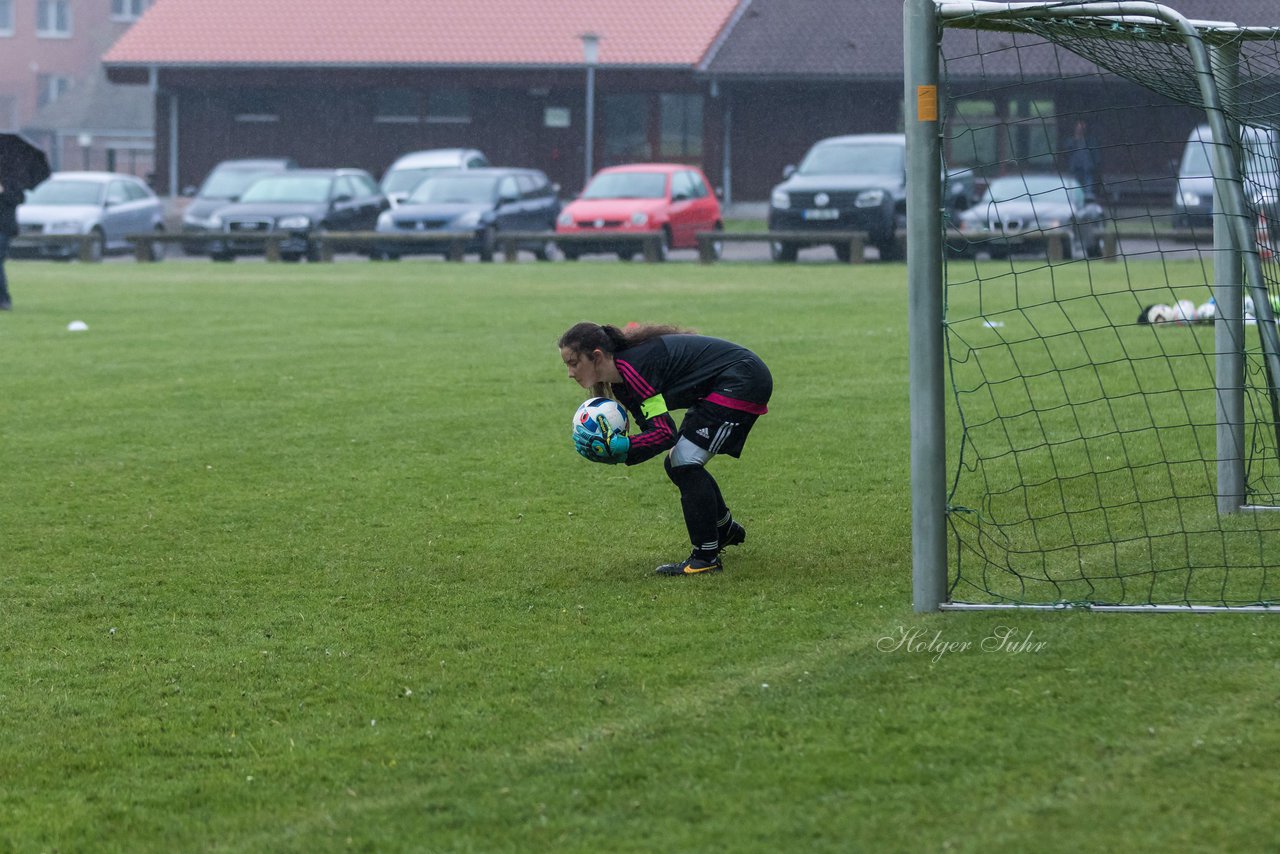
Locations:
(586, 337)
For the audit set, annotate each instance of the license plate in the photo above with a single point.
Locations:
(821, 213)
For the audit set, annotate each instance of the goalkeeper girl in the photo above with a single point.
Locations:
(652, 370)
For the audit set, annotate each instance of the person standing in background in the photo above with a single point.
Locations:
(10, 197)
(1083, 159)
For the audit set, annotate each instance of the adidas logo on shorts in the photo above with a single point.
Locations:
(704, 432)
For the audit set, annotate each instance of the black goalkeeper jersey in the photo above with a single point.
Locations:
(685, 370)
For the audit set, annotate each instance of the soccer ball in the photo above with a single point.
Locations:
(1184, 311)
(601, 417)
(1161, 313)
(1208, 311)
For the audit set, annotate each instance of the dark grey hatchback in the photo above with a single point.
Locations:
(299, 202)
(478, 203)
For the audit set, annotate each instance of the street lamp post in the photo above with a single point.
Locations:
(86, 142)
(590, 56)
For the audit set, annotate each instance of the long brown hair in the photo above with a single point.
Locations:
(586, 337)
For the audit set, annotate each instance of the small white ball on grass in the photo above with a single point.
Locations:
(77, 326)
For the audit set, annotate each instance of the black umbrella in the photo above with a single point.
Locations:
(22, 164)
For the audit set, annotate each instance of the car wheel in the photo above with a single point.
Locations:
(571, 254)
(488, 241)
(891, 250)
(664, 246)
(844, 252)
(97, 245)
(1068, 242)
(1095, 248)
(717, 246)
(625, 255)
(546, 251)
(222, 256)
(291, 257)
(783, 252)
(158, 247)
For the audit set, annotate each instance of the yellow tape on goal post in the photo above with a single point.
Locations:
(654, 406)
(927, 103)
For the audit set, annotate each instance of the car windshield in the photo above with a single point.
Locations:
(455, 189)
(229, 183)
(404, 180)
(627, 185)
(1041, 190)
(1260, 158)
(67, 192)
(856, 159)
(1195, 160)
(289, 188)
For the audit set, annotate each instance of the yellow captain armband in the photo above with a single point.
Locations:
(653, 407)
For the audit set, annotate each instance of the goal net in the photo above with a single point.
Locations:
(1109, 345)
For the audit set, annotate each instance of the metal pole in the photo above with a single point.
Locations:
(591, 120)
(590, 55)
(1228, 327)
(727, 178)
(924, 306)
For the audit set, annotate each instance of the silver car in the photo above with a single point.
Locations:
(105, 206)
(1018, 213)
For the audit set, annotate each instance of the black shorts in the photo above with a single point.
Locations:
(717, 429)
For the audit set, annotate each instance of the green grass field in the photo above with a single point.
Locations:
(300, 558)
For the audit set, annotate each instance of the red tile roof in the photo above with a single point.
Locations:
(421, 32)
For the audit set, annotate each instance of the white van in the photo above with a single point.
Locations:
(1193, 199)
(411, 169)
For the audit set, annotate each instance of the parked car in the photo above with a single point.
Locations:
(412, 169)
(481, 203)
(104, 205)
(853, 183)
(670, 199)
(1018, 212)
(300, 202)
(223, 185)
(1193, 199)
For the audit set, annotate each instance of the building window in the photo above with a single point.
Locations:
(128, 10)
(396, 106)
(255, 106)
(53, 18)
(6, 17)
(973, 139)
(626, 128)
(449, 105)
(50, 87)
(681, 128)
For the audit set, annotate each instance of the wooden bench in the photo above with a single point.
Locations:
(648, 243)
(453, 243)
(85, 244)
(708, 241)
(144, 244)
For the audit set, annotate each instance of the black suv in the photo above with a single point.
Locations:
(851, 183)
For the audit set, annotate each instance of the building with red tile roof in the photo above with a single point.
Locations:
(738, 87)
(532, 34)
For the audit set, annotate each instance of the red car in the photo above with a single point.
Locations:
(669, 198)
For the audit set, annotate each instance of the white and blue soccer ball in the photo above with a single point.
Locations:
(1161, 313)
(1185, 311)
(1207, 311)
(601, 417)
